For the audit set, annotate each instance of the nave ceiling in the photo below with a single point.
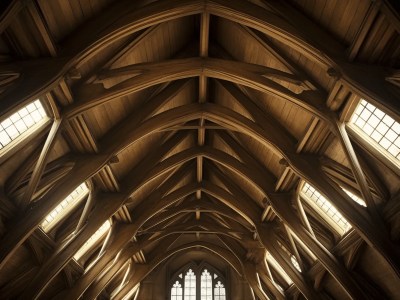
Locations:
(195, 125)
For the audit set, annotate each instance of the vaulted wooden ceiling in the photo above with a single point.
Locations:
(195, 124)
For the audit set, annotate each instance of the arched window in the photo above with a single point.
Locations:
(198, 283)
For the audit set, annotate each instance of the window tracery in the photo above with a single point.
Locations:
(198, 283)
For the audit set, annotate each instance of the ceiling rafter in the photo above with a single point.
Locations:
(353, 290)
(158, 193)
(10, 12)
(106, 205)
(204, 41)
(250, 75)
(84, 169)
(216, 250)
(282, 206)
(261, 136)
(249, 15)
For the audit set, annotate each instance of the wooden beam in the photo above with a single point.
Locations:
(249, 160)
(41, 163)
(265, 277)
(105, 207)
(301, 284)
(250, 75)
(84, 168)
(305, 166)
(375, 89)
(86, 211)
(42, 27)
(224, 254)
(269, 240)
(54, 171)
(204, 206)
(92, 39)
(363, 30)
(204, 40)
(282, 58)
(10, 13)
(359, 175)
(295, 162)
(124, 234)
(18, 176)
(282, 207)
(391, 13)
(345, 177)
(109, 60)
(250, 272)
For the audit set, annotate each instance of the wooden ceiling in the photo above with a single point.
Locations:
(195, 123)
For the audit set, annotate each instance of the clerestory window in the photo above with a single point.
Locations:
(20, 124)
(355, 198)
(325, 208)
(64, 207)
(377, 127)
(271, 261)
(295, 263)
(198, 283)
(97, 236)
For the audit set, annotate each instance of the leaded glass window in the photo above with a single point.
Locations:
(64, 207)
(176, 291)
(22, 123)
(325, 208)
(378, 127)
(99, 234)
(198, 283)
(295, 263)
(206, 285)
(219, 291)
(190, 286)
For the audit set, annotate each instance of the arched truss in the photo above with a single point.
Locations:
(228, 200)
(79, 49)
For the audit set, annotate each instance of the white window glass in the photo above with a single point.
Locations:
(64, 207)
(176, 291)
(326, 207)
(190, 286)
(206, 285)
(30, 116)
(219, 291)
(380, 128)
(198, 284)
(295, 263)
(271, 260)
(93, 239)
(355, 198)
